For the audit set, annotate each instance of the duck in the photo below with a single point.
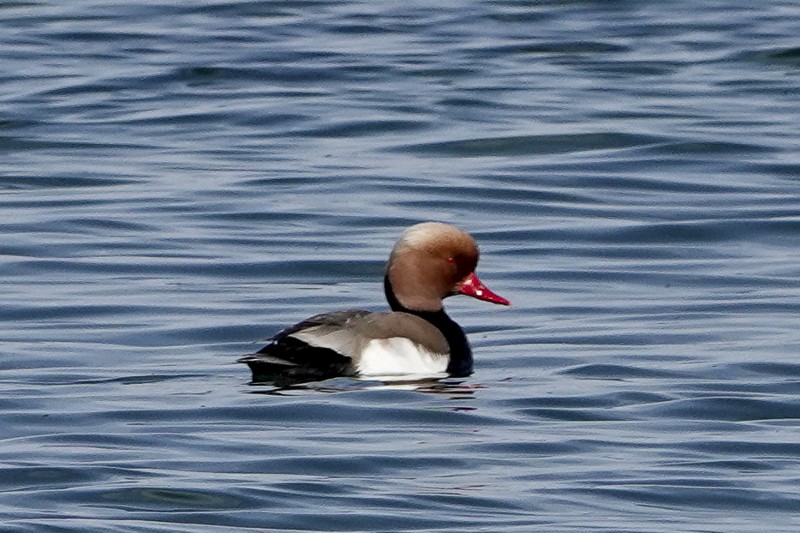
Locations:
(416, 339)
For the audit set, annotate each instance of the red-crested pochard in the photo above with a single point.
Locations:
(430, 262)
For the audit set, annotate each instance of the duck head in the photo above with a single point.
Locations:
(432, 261)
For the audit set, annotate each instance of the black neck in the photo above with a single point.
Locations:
(460, 353)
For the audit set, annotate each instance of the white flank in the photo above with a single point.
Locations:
(399, 358)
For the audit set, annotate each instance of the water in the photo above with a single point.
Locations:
(178, 181)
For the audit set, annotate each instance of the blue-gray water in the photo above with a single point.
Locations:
(178, 180)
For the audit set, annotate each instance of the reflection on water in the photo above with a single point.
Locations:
(454, 389)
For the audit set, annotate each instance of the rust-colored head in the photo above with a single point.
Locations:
(431, 261)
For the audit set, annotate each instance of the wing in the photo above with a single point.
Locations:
(337, 319)
(315, 348)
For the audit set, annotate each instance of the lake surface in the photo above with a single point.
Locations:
(179, 180)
